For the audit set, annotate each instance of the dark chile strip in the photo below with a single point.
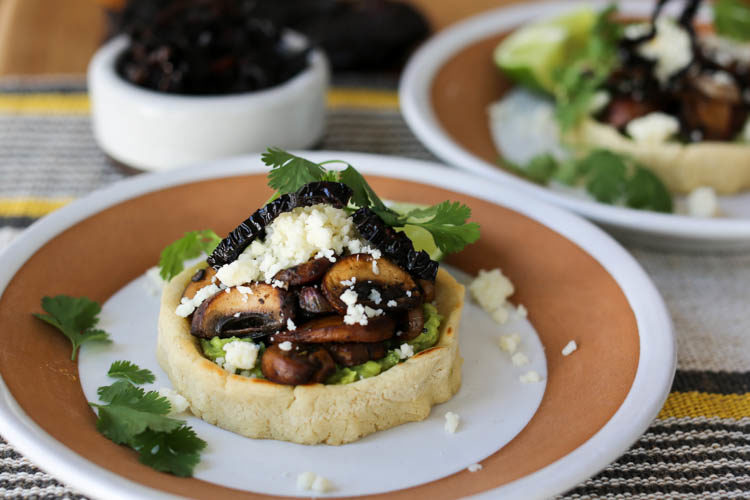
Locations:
(332, 193)
(395, 245)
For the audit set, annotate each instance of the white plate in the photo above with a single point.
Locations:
(655, 368)
(650, 228)
(493, 404)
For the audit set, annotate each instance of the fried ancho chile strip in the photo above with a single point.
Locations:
(395, 245)
(335, 194)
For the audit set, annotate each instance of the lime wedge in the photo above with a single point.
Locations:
(531, 54)
(420, 237)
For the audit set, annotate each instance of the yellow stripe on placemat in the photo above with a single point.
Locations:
(45, 104)
(30, 207)
(77, 103)
(701, 404)
(362, 98)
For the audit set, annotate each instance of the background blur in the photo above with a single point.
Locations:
(59, 36)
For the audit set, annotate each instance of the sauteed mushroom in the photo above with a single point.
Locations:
(712, 104)
(312, 300)
(392, 284)
(356, 353)
(295, 367)
(333, 329)
(231, 313)
(414, 324)
(200, 279)
(303, 274)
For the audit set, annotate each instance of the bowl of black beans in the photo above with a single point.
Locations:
(185, 82)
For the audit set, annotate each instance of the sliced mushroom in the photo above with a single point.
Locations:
(230, 313)
(295, 367)
(303, 274)
(413, 324)
(428, 290)
(355, 353)
(202, 278)
(622, 110)
(713, 106)
(333, 329)
(358, 273)
(313, 301)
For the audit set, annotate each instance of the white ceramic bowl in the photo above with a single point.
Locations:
(151, 130)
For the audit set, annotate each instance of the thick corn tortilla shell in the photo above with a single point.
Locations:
(724, 166)
(315, 413)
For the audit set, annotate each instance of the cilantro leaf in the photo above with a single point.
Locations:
(173, 257)
(129, 415)
(606, 175)
(362, 194)
(609, 177)
(645, 190)
(177, 451)
(579, 80)
(446, 222)
(130, 371)
(75, 317)
(290, 172)
(732, 19)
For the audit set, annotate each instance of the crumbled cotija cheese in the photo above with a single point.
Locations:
(509, 343)
(530, 377)
(357, 313)
(474, 467)
(671, 49)
(240, 355)
(405, 351)
(187, 306)
(519, 359)
(702, 202)
(653, 128)
(491, 290)
(291, 239)
(290, 325)
(391, 303)
(522, 311)
(321, 484)
(312, 481)
(375, 296)
(569, 348)
(305, 480)
(451, 422)
(285, 346)
(177, 402)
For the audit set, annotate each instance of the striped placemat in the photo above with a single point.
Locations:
(698, 447)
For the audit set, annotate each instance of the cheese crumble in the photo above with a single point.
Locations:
(653, 128)
(509, 343)
(312, 481)
(474, 467)
(177, 402)
(569, 348)
(530, 377)
(670, 49)
(519, 359)
(702, 202)
(451, 422)
(491, 290)
(240, 356)
(285, 346)
(291, 239)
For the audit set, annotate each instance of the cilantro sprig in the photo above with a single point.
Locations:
(579, 80)
(192, 245)
(609, 177)
(732, 19)
(75, 317)
(446, 221)
(131, 416)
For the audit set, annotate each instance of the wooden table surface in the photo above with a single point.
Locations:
(40, 37)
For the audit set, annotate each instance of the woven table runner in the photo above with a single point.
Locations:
(698, 446)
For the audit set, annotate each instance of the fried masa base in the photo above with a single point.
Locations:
(724, 166)
(313, 413)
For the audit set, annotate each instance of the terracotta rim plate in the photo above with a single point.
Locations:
(444, 92)
(576, 282)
